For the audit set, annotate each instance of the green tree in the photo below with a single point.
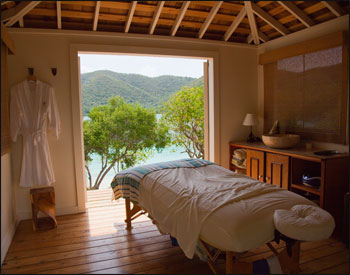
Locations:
(121, 134)
(184, 115)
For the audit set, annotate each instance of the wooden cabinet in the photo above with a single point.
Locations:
(268, 167)
(286, 167)
(277, 170)
(255, 164)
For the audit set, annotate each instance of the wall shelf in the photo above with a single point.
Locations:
(306, 189)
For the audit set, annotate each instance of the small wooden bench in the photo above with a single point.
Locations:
(43, 199)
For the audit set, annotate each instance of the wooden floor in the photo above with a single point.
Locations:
(97, 242)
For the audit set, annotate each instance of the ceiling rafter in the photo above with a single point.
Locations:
(97, 12)
(4, 2)
(298, 13)
(261, 36)
(156, 16)
(17, 12)
(219, 20)
(150, 8)
(269, 19)
(179, 17)
(130, 16)
(59, 15)
(333, 7)
(21, 23)
(235, 24)
(252, 23)
(210, 18)
(137, 19)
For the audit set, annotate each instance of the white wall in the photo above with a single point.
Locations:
(236, 92)
(8, 215)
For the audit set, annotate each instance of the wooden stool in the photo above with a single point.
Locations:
(43, 199)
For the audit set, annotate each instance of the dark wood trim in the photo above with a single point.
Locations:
(320, 43)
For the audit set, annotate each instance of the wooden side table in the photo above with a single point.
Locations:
(43, 199)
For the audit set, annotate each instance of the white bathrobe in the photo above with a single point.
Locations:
(33, 109)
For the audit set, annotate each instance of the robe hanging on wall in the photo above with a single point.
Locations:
(33, 110)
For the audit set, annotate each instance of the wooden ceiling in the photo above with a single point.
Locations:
(252, 22)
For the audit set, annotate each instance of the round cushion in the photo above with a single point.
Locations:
(304, 223)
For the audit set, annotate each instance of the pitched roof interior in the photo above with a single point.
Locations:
(113, 15)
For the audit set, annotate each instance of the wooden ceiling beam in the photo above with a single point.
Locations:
(15, 13)
(333, 7)
(298, 13)
(97, 12)
(4, 2)
(250, 38)
(210, 18)
(130, 16)
(235, 24)
(251, 19)
(21, 23)
(136, 19)
(156, 16)
(261, 36)
(179, 17)
(59, 16)
(290, 18)
(225, 5)
(165, 10)
(269, 19)
(70, 14)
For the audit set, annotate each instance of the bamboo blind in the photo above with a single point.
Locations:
(307, 93)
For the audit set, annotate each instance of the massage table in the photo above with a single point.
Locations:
(239, 223)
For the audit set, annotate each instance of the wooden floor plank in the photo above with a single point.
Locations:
(84, 239)
(103, 232)
(328, 261)
(132, 260)
(97, 242)
(68, 262)
(83, 252)
(337, 269)
(70, 247)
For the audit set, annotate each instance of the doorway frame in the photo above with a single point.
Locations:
(78, 142)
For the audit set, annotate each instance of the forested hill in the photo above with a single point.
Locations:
(150, 92)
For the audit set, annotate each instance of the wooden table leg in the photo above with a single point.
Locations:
(229, 267)
(128, 214)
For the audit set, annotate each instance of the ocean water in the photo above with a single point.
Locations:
(170, 153)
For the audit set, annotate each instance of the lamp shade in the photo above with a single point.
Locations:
(249, 120)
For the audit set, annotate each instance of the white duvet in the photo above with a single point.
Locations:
(181, 200)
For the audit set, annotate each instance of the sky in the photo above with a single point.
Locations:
(145, 65)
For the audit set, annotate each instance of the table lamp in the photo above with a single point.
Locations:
(250, 120)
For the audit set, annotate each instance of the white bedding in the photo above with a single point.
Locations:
(229, 211)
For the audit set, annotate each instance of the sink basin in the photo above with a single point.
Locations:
(281, 140)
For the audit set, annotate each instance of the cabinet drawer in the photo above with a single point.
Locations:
(255, 164)
(277, 171)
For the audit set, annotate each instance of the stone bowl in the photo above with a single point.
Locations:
(281, 141)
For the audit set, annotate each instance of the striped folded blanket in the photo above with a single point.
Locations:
(126, 183)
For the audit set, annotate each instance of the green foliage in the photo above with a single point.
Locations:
(121, 134)
(184, 115)
(99, 86)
